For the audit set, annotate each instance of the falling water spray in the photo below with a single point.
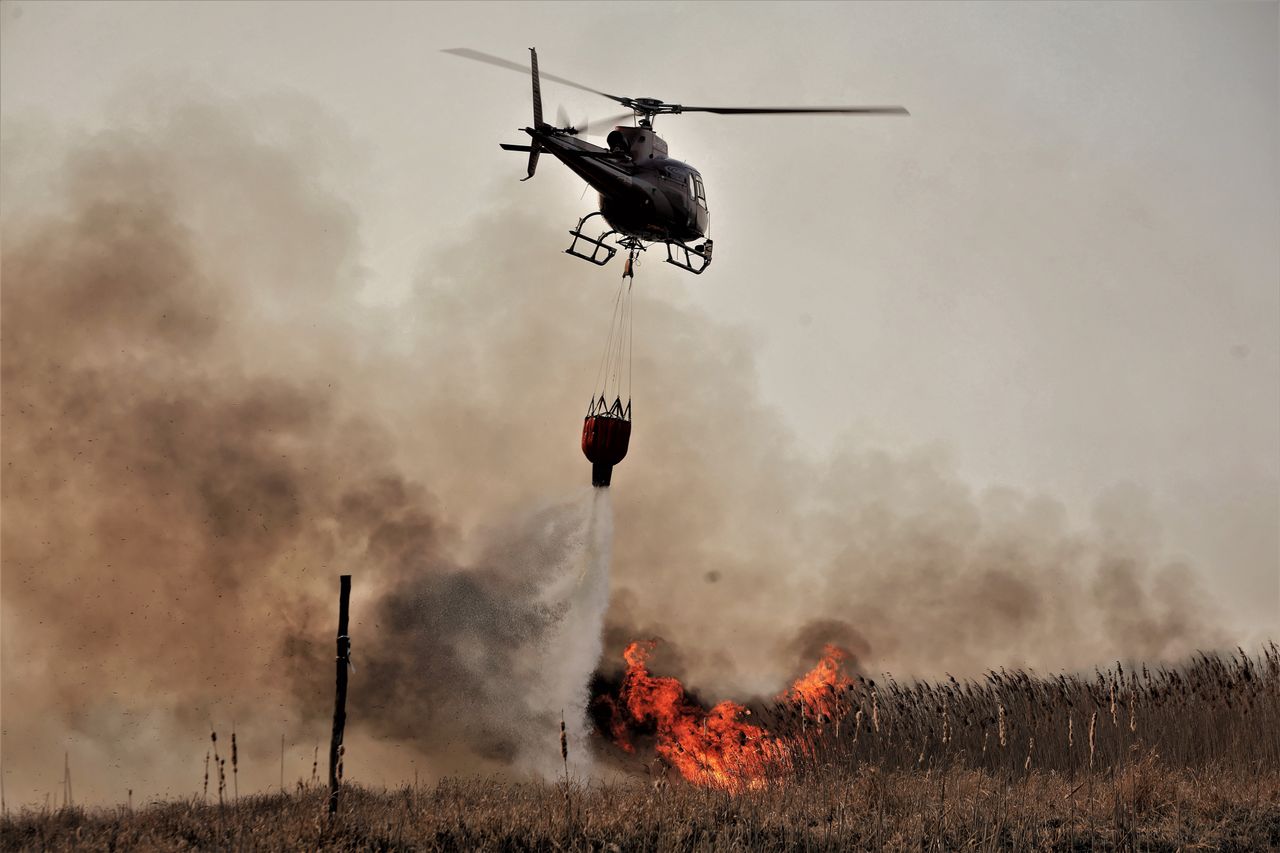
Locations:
(577, 592)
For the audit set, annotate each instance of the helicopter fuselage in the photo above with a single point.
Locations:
(645, 196)
(643, 193)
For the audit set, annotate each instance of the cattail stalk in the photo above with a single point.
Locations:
(564, 757)
(564, 747)
(67, 798)
(217, 762)
(235, 762)
(1093, 727)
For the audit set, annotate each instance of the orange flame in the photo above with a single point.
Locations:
(712, 748)
(717, 748)
(819, 690)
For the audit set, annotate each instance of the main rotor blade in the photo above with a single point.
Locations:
(489, 59)
(741, 111)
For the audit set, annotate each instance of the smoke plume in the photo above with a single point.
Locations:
(206, 420)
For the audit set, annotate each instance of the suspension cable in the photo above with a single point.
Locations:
(631, 320)
(602, 372)
(614, 374)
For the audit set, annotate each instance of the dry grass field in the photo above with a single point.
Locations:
(1153, 759)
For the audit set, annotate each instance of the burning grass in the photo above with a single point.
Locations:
(1152, 758)
(1213, 710)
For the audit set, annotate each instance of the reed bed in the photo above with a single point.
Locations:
(1214, 710)
(1146, 758)
(1153, 809)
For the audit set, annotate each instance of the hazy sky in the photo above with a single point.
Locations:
(1062, 268)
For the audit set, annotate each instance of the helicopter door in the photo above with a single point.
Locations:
(701, 219)
(699, 195)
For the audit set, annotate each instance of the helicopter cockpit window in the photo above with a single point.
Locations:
(695, 184)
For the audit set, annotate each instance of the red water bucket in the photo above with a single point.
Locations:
(604, 443)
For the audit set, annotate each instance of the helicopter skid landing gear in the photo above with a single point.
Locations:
(597, 244)
(695, 259)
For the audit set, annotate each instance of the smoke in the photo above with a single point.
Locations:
(206, 420)
(184, 478)
(488, 659)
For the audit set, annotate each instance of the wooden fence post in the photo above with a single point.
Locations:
(340, 700)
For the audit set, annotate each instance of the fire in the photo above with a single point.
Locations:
(716, 747)
(819, 691)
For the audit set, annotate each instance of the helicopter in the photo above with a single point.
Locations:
(646, 196)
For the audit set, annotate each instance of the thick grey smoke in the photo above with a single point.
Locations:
(487, 660)
(206, 421)
(183, 485)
